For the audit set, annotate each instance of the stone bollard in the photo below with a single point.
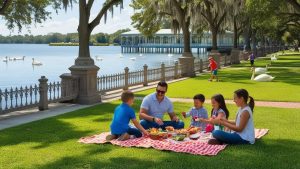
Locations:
(176, 76)
(145, 83)
(126, 78)
(43, 91)
(163, 72)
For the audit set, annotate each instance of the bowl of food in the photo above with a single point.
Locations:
(170, 128)
(179, 137)
(195, 136)
(193, 130)
(155, 134)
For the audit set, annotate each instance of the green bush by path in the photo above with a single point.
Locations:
(52, 143)
(284, 87)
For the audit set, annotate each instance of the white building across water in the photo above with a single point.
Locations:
(165, 41)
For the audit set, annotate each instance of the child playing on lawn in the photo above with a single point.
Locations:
(197, 112)
(243, 126)
(122, 115)
(213, 68)
(219, 111)
(251, 58)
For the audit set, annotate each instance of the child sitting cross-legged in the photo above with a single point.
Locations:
(120, 128)
(197, 112)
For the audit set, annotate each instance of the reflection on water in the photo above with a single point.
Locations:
(56, 61)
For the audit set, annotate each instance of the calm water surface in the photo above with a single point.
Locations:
(56, 61)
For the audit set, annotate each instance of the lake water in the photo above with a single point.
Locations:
(56, 60)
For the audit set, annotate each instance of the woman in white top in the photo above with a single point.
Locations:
(243, 126)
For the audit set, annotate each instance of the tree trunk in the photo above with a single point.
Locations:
(214, 33)
(84, 33)
(235, 34)
(186, 38)
(254, 43)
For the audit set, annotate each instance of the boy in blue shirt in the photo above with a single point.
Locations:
(120, 127)
(197, 112)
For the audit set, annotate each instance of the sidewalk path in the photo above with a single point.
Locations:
(257, 103)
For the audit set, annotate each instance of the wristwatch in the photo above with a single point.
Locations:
(153, 119)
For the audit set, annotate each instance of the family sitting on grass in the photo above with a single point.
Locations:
(155, 105)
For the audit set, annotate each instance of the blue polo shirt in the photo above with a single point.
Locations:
(122, 115)
(155, 108)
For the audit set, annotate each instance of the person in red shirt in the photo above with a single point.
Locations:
(213, 68)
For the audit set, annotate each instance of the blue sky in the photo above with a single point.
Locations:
(67, 22)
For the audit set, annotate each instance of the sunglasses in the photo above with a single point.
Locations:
(160, 91)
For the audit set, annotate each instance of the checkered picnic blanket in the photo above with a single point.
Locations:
(196, 147)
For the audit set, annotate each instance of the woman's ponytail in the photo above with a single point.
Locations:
(251, 103)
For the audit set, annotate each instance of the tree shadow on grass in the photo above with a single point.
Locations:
(72, 125)
(263, 154)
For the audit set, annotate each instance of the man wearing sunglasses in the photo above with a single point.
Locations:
(153, 108)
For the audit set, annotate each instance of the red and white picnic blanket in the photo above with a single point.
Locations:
(196, 147)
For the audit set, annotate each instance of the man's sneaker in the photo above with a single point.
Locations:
(110, 137)
(124, 137)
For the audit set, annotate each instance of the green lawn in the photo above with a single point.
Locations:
(285, 86)
(52, 143)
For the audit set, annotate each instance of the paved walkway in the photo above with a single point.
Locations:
(257, 103)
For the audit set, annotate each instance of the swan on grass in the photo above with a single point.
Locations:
(262, 77)
(36, 63)
(273, 57)
(260, 70)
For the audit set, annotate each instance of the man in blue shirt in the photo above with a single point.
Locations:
(153, 108)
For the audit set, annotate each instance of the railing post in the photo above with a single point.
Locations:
(145, 75)
(201, 66)
(43, 90)
(163, 73)
(176, 70)
(126, 78)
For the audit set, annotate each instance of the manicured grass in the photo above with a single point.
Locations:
(52, 143)
(284, 87)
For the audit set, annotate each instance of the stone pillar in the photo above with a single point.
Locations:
(163, 72)
(86, 72)
(69, 85)
(145, 75)
(126, 87)
(176, 70)
(43, 91)
(187, 64)
(217, 57)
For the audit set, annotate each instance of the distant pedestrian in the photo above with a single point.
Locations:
(213, 68)
(251, 58)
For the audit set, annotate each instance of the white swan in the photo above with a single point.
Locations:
(170, 55)
(120, 55)
(6, 59)
(262, 77)
(99, 58)
(273, 57)
(133, 58)
(141, 54)
(37, 63)
(19, 58)
(260, 70)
